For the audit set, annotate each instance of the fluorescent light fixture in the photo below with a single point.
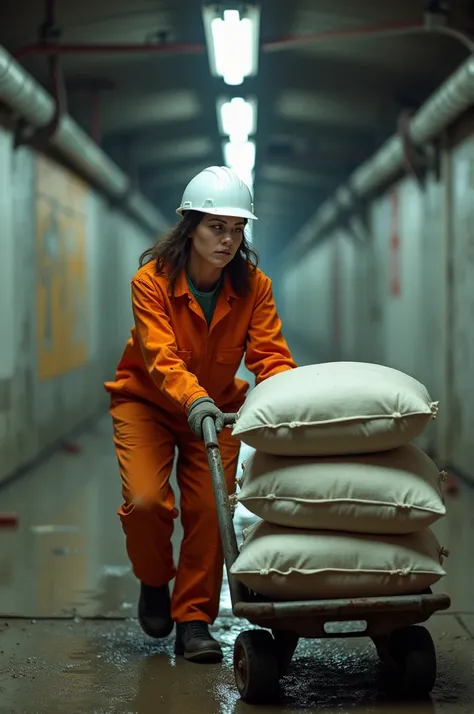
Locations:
(232, 42)
(240, 156)
(237, 118)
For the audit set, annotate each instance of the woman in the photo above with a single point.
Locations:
(199, 304)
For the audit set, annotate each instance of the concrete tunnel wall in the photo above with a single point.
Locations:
(365, 298)
(66, 261)
(405, 301)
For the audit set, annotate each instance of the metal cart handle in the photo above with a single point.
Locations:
(229, 419)
(224, 512)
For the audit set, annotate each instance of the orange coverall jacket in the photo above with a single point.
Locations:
(173, 357)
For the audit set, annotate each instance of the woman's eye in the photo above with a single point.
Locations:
(220, 228)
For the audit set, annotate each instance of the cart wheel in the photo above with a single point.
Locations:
(286, 644)
(413, 670)
(256, 667)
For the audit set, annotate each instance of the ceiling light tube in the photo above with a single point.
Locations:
(232, 42)
(237, 118)
(241, 158)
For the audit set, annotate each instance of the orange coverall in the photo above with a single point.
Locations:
(171, 359)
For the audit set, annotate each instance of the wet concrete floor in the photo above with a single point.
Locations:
(108, 666)
(69, 641)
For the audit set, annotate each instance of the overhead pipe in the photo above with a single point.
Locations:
(45, 48)
(282, 43)
(447, 104)
(276, 45)
(33, 104)
(364, 32)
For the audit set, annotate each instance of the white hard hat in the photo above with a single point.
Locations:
(220, 191)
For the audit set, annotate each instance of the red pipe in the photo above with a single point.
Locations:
(8, 520)
(165, 48)
(45, 48)
(356, 32)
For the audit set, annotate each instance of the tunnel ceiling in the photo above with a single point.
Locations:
(323, 106)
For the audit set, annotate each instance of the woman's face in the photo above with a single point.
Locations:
(217, 239)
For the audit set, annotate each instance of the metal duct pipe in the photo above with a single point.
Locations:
(25, 96)
(438, 112)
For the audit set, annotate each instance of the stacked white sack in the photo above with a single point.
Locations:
(332, 409)
(346, 502)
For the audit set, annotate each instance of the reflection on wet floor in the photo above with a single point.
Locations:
(109, 667)
(67, 559)
(67, 556)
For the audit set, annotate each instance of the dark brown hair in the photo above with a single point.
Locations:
(172, 251)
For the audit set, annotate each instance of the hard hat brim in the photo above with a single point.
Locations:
(221, 211)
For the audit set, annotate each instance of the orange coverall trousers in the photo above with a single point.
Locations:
(145, 438)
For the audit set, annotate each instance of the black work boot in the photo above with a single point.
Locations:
(154, 610)
(195, 643)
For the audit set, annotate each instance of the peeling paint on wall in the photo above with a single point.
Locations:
(57, 235)
(62, 296)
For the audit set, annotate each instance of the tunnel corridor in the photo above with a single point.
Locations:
(347, 128)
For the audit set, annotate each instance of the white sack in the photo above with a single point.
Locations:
(334, 408)
(290, 564)
(393, 492)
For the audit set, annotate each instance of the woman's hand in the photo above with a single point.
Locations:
(199, 410)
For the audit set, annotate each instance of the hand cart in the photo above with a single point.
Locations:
(262, 657)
